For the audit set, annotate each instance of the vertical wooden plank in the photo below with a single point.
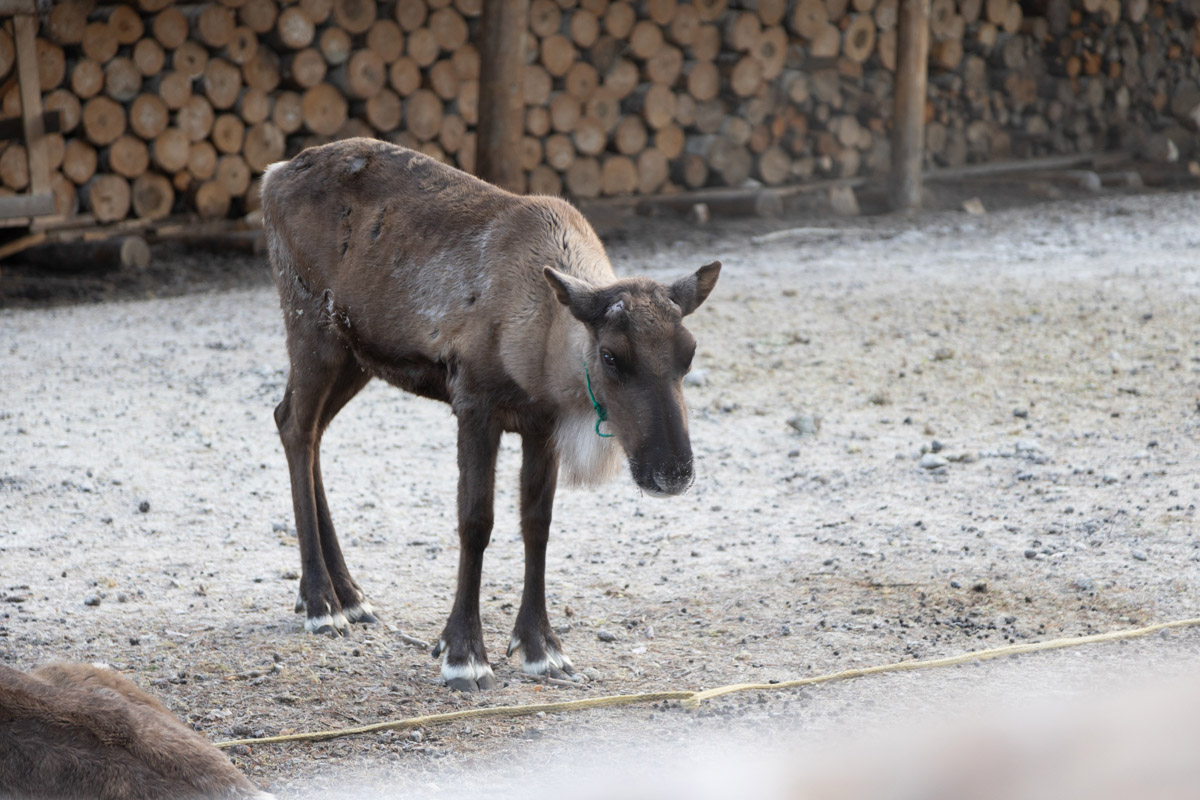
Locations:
(24, 35)
(501, 104)
(908, 125)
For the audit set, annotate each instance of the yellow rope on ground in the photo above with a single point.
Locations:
(693, 699)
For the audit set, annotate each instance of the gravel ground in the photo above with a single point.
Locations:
(915, 437)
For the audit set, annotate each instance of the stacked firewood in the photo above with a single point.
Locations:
(1081, 76)
(180, 107)
(170, 107)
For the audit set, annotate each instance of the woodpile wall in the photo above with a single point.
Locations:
(169, 107)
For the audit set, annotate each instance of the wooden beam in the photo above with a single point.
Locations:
(26, 205)
(14, 127)
(908, 124)
(24, 37)
(501, 102)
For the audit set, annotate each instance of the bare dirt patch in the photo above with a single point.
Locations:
(1050, 355)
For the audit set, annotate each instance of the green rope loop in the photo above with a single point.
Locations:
(601, 411)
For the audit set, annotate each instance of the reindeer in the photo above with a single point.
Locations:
(81, 731)
(390, 264)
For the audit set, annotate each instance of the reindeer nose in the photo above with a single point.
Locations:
(673, 480)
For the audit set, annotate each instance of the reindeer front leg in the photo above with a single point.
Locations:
(541, 652)
(465, 665)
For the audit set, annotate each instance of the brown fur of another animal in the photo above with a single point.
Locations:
(79, 731)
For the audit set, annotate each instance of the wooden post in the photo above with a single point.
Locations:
(501, 101)
(24, 34)
(908, 131)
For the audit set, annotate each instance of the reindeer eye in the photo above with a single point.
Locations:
(608, 359)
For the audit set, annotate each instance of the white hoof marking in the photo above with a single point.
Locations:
(356, 612)
(472, 670)
(555, 659)
(335, 621)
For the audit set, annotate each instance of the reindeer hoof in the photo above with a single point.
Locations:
(330, 624)
(472, 676)
(361, 613)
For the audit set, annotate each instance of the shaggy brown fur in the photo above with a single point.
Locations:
(391, 264)
(79, 731)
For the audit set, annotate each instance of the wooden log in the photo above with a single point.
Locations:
(630, 136)
(468, 101)
(618, 176)
(126, 24)
(645, 40)
(581, 80)
(14, 167)
(703, 80)
(809, 17)
(384, 111)
(169, 150)
(174, 88)
(233, 173)
(107, 196)
(324, 109)
(67, 106)
(152, 196)
(536, 84)
(103, 120)
(653, 170)
(8, 52)
(210, 199)
(66, 196)
(565, 111)
(128, 157)
(909, 115)
(771, 52)
(195, 118)
(560, 151)
(466, 62)
(423, 114)
(411, 14)
(710, 10)
(149, 57)
(669, 140)
(584, 28)
(605, 107)
(690, 170)
(170, 28)
(708, 43)
(99, 42)
(228, 133)
(544, 181)
(386, 40)
(619, 20)
(746, 77)
(287, 112)
(404, 76)
(295, 30)
(354, 16)
(242, 46)
(557, 54)
(452, 133)
(742, 31)
(590, 136)
(684, 25)
(222, 83)
(531, 153)
(422, 47)
(858, 40)
(148, 116)
(202, 160)
(665, 66)
(305, 68)
(537, 121)
(87, 78)
(55, 145)
(826, 42)
(335, 45)
(582, 178)
(264, 146)
(51, 65)
(212, 25)
(362, 76)
(79, 161)
(449, 29)
(259, 16)
(262, 71)
(190, 58)
(66, 21)
(622, 78)
(545, 18)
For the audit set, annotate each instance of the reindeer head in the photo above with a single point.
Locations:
(637, 356)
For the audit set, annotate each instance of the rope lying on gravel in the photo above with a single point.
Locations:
(692, 699)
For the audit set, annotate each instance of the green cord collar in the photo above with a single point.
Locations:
(601, 411)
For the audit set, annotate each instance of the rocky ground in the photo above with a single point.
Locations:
(914, 438)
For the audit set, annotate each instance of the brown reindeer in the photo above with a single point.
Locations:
(391, 264)
(81, 731)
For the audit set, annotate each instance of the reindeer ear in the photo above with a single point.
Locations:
(688, 293)
(577, 295)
